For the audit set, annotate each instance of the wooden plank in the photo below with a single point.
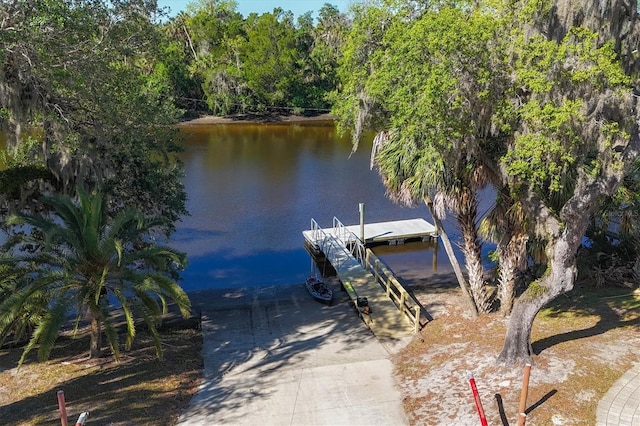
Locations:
(384, 320)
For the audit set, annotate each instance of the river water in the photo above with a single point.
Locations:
(253, 188)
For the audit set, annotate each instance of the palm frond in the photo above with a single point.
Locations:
(47, 331)
(128, 316)
(150, 321)
(110, 332)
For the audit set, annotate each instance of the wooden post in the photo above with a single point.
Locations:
(403, 299)
(434, 259)
(522, 416)
(417, 321)
(62, 408)
(361, 208)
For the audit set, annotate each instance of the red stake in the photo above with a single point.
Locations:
(62, 407)
(476, 398)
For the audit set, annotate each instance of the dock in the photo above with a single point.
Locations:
(393, 313)
(393, 232)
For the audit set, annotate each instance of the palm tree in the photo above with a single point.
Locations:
(22, 324)
(82, 262)
(424, 80)
(506, 225)
(410, 170)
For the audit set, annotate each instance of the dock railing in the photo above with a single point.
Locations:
(350, 240)
(395, 291)
(330, 244)
(316, 231)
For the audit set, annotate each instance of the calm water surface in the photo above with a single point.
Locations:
(252, 190)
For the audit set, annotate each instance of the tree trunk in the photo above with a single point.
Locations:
(558, 279)
(95, 346)
(472, 249)
(512, 252)
(448, 248)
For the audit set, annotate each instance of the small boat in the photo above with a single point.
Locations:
(319, 290)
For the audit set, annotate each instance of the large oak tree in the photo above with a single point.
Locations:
(537, 97)
(576, 81)
(77, 104)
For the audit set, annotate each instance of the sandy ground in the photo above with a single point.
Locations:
(252, 118)
(570, 374)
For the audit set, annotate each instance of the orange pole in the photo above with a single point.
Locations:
(522, 419)
(62, 408)
(522, 416)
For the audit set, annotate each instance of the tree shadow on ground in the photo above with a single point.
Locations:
(255, 344)
(610, 310)
(138, 390)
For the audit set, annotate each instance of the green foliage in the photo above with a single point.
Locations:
(559, 140)
(79, 261)
(365, 40)
(270, 57)
(426, 79)
(81, 85)
(14, 180)
(545, 158)
(259, 62)
(535, 290)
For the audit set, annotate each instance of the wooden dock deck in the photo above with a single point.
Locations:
(385, 319)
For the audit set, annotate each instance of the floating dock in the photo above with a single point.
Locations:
(393, 232)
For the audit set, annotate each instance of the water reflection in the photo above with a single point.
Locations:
(253, 188)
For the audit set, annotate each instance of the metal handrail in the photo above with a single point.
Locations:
(346, 236)
(328, 244)
(315, 229)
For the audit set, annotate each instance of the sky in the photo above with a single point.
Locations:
(245, 7)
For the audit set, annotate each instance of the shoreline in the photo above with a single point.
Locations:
(257, 119)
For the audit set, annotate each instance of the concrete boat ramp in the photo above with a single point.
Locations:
(274, 356)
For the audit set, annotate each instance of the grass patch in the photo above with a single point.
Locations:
(140, 389)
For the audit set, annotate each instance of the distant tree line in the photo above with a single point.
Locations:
(212, 58)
